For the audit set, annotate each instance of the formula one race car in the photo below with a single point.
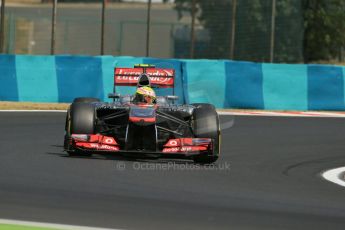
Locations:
(125, 126)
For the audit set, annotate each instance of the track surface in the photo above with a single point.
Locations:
(273, 182)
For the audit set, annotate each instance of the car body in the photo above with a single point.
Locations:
(163, 129)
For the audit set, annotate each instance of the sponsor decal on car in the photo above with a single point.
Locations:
(182, 145)
(96, 146)
(130, 76)
(134, 79)
(188, 142)
(95, 141)
(185, 149)
(169, 150)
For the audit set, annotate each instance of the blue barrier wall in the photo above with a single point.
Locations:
(244, 82)
(285, 86)
(224, 83)
(8, 78)
(208, 88)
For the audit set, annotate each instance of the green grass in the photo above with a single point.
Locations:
(22, 227)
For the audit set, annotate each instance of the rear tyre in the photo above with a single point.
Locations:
(80, 120)
(85, 99)
(206, 125)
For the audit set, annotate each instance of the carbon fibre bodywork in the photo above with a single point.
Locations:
(129, 125)
(170, 122)
(122, 126)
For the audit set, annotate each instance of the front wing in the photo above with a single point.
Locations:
(179, 146)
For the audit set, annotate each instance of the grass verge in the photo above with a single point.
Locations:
(7, 105)
(22, 227)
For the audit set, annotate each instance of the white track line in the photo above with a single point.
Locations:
(283, 114)
(235, 113)
(334, 175)
(49, 225)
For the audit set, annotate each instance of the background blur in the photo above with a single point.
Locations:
(292, 31)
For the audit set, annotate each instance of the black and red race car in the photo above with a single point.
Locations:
(163, 129)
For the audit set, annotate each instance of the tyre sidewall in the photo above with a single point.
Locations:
(82, 118)
(206, 125)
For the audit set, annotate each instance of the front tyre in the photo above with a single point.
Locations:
(80, 120)
(206, 125)
(85, 100)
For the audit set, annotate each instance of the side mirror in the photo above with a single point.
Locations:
(114, 95)
(172, 97)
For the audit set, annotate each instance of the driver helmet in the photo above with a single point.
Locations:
(146, 94)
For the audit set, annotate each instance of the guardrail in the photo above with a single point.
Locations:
(226, 84)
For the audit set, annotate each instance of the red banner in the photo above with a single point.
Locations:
(130, 76)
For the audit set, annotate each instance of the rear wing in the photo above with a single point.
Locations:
(163, 78)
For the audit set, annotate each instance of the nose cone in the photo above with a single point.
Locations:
(142, 116)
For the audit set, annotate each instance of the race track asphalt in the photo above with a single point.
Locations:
(273, 182)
